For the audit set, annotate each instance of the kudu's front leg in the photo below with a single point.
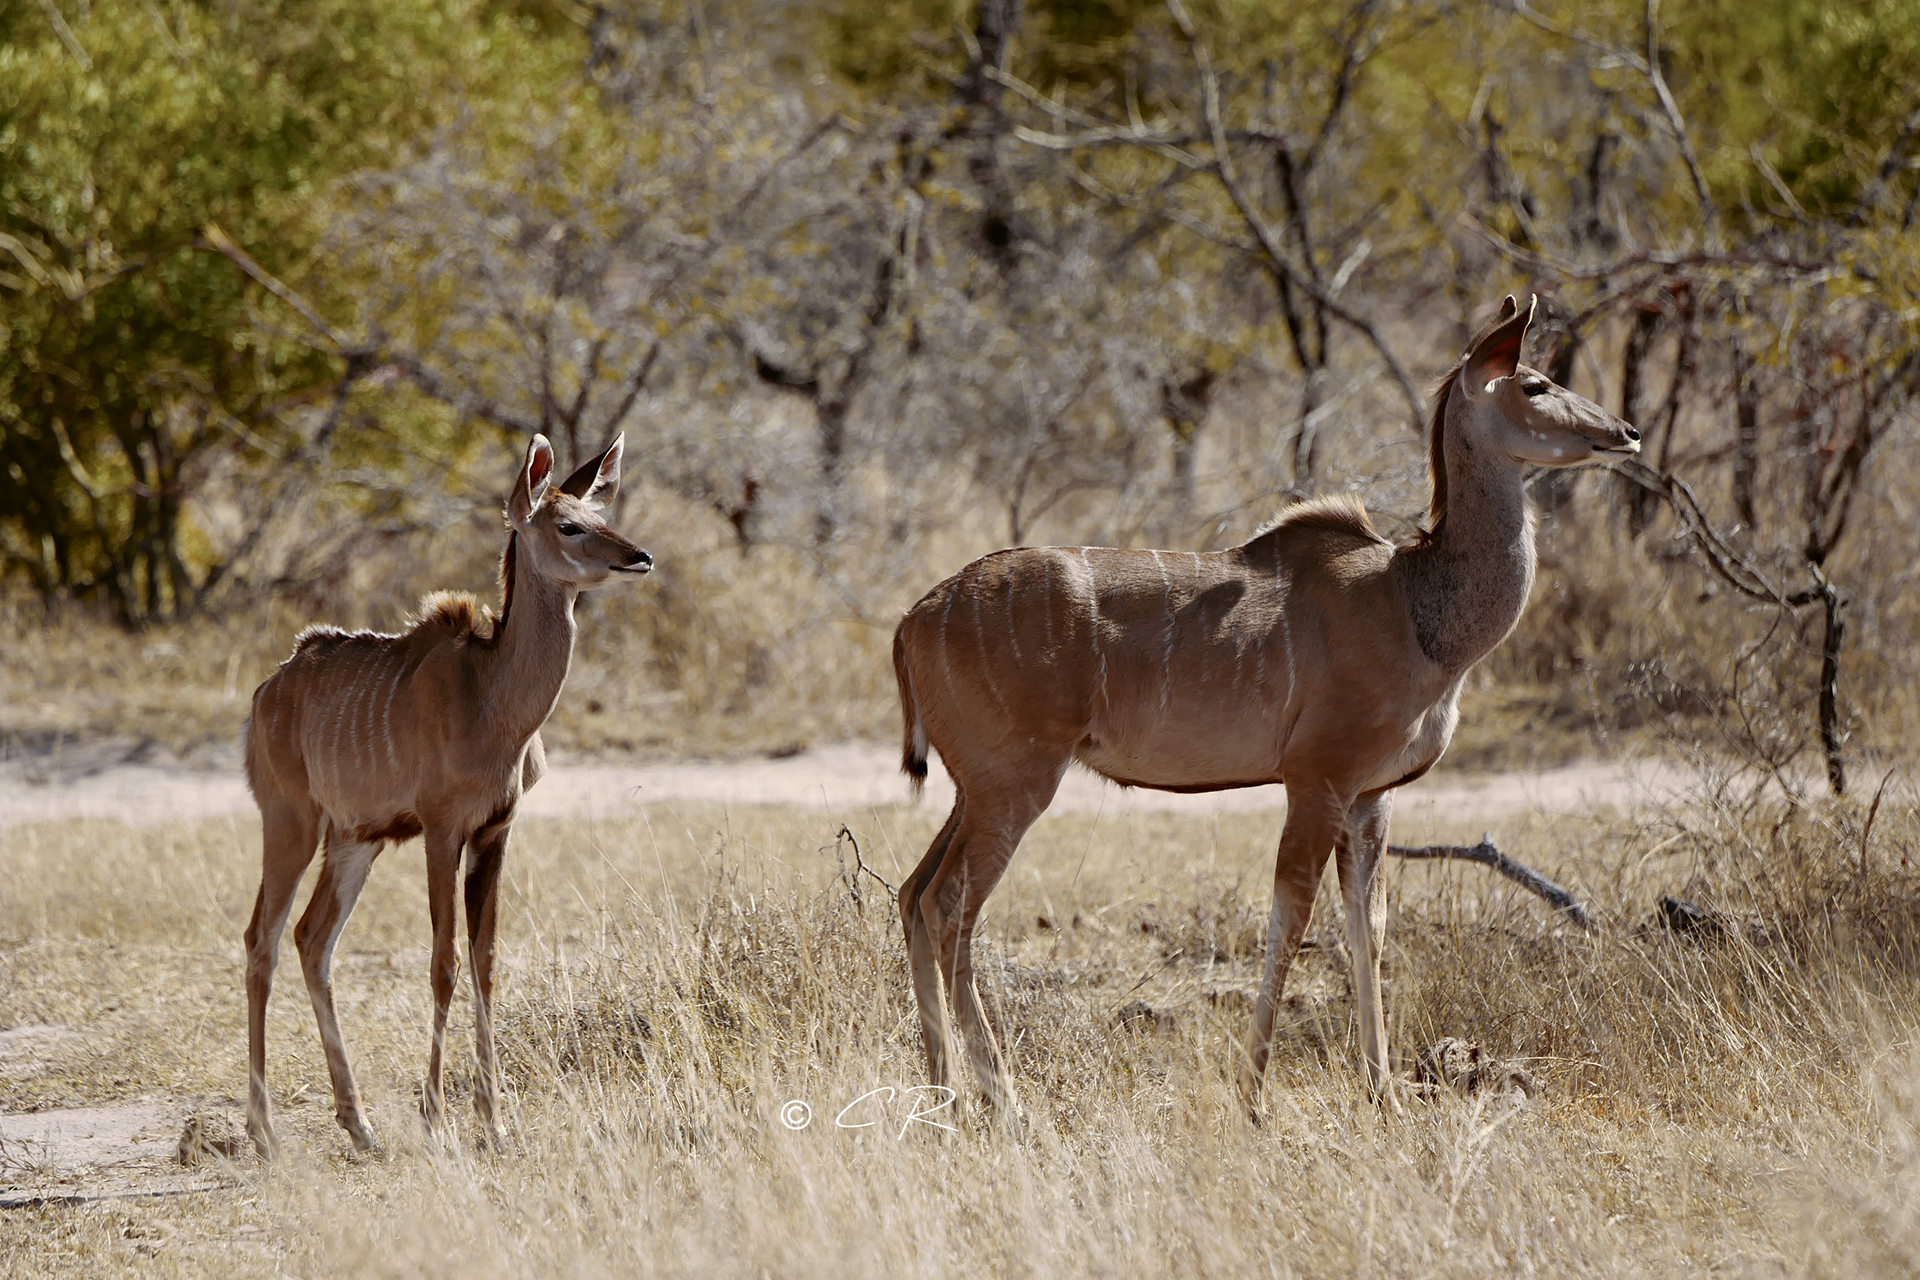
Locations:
(1305, 842)
(1363, 893)
(482, 893)
(443, 865)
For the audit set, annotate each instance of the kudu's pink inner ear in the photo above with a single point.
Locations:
(539, 467)
(1497, 355)
(532, 483)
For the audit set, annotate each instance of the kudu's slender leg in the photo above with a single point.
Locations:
(343, 871)
(1363, 837)
(443, 970)
(290, 835)
(488, 852)
(935, 1034)
(982, 845)
(1313, 822)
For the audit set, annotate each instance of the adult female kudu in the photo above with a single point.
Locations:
(1318, 654)
(365, 738)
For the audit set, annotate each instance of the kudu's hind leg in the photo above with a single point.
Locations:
(1305, 842)
(982, 846)
(342, 874)
(935, 1034)
(289, 835)
(1362, 840)
(489, 850)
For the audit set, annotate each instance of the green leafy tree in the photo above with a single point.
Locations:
(145, 148)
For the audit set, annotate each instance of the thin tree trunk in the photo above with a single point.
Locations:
(996, 23)
(832, 416)
(1306, 450)
(1633, 363)
(1184, 405)
(1836, 629)
(1746, 433)
(1641, 501)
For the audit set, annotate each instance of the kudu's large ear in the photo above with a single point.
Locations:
(531, 484)
(1496, 352)
(596, 482)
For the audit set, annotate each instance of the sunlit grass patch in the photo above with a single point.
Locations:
(674, 982)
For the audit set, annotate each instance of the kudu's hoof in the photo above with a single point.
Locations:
(1005, 1115)
(358, 1133)
(1248, 1081)
(265, 1145)
(489, 1136)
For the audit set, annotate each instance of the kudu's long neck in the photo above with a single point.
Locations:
(521, 675)
(1468, 582)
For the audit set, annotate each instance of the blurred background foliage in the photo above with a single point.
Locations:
(874, 287)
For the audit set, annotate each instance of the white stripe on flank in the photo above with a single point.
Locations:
(357, 708)
(1046, 599)
(1013, 629)
(354, 712)
(1260, 660)
(1093, 624)
(1286, 639)
(374, 701)
(342, 727)
(386, 716)
(946, 645)
(986, 659)
(1166, 660)
(306, 728)
(370, 701)
(323, 750)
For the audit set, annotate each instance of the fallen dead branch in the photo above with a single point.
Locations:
(1486, 855)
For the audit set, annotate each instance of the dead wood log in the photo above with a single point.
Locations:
(1486, 855)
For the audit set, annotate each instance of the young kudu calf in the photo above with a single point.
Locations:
(1318, 654)
(365, 738)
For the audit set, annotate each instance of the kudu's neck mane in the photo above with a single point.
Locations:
(509, 561)
(457, 616)
(1437, 454)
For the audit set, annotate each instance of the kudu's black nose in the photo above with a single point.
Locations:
(642, 562)
(1633, 433)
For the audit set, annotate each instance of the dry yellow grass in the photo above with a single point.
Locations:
(1749, 1106)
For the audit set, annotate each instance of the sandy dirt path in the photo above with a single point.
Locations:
(850, 777)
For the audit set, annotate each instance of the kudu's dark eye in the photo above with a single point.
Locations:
(1536, 388)
(568, 529)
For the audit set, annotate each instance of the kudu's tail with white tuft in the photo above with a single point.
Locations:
(913, 751)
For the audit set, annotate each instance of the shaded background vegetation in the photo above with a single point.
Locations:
(875, 287)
